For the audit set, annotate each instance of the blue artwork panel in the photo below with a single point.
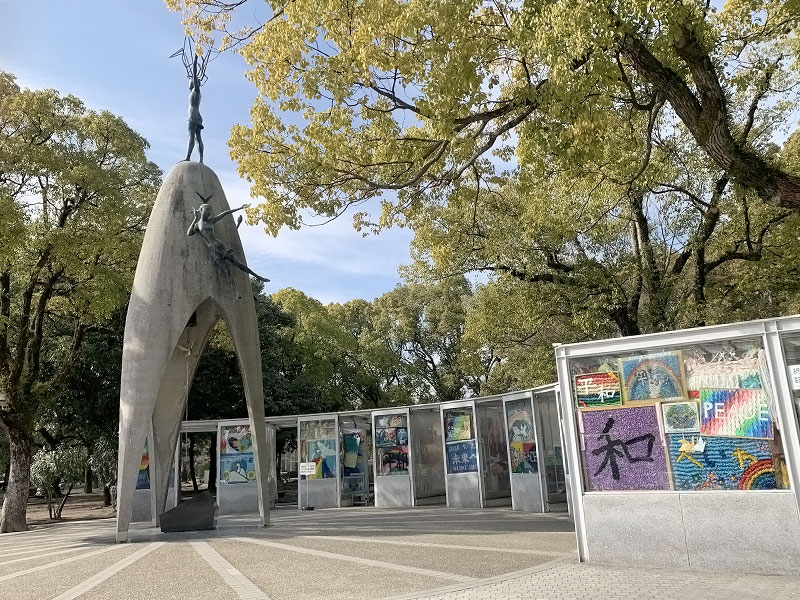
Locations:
(652, 377)
(237, 468)
(462, 457)
(719, 463)
(402, 436)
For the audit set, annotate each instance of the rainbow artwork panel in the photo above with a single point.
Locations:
(597, 390)
(143, 479)
(652, 377)
(736, 413)
(720, 463)
(457, 427)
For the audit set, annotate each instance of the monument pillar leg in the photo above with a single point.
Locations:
(248, 349)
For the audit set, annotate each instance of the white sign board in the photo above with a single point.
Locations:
(308, 468)
(794, 371)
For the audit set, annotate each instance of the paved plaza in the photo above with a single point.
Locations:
(433, 553)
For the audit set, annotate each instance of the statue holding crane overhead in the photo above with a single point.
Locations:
(196, 72)
(195, 120)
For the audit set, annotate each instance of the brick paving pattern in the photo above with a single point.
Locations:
(391, 554)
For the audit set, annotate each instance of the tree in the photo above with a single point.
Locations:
(622, 161)
(66, 464)
(424, 326)
(84, 410)
(75, 193)
(402, 99)
(104, 463)
(372, 369)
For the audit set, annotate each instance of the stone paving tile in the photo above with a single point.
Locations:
(472, 563)
(571, 581)
(52, 582)
(286, 575)
(174, 570)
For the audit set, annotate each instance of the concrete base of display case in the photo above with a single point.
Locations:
(392, 491)
(747, 531)
(237, 498)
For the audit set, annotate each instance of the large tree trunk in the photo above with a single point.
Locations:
(192, 472)
(87, 481)
(15, 504)
(626, 323)
(5, 476)
(212, 465)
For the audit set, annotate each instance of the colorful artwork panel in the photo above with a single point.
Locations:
(323, 454)
(143, 479)
(402, 436)
(652, 377)
(386, 437)
(623, 449)
(726, 371)
(352, 446)
(237, 468)
(462, 457)
(520, 423)
(235, 440)
(390, 421)
(593, 390)
(719, 463)
(735, 413)
(393, 460)
(681, 417)
(457, 427)
(524, 458)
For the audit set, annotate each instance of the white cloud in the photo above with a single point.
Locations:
(332, 262)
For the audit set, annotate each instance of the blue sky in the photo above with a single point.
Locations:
(115, 55)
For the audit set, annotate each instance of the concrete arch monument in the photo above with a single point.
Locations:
(178, 295)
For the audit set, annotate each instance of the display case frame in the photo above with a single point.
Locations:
(669, 521)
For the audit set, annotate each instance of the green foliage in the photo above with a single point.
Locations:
(423, 325)
(66, 464)
(84, 409)
(75, 192)
(217, 390)
(611, 169)
(362, 100)
(103, 461)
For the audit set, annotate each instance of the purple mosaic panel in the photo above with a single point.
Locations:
(623, 450)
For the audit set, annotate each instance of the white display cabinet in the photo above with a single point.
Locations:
(461, 451)
(318, 442)
(683, 447)
(524, 446)
(392, 452)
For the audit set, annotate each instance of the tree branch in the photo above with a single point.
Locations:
(707, 117)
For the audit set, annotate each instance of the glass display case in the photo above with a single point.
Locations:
(318, 443)
(680, 444)
(393, 452)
